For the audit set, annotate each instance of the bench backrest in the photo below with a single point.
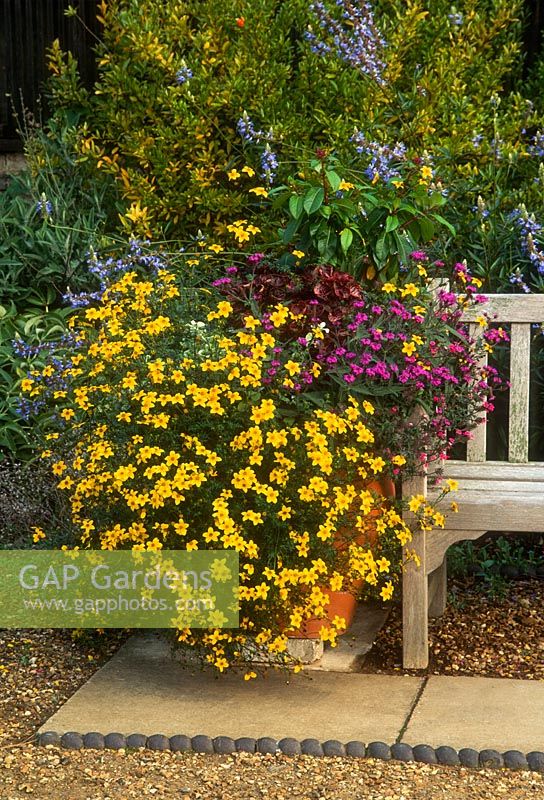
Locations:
(520, 312)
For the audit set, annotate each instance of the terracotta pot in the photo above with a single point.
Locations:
(344, 603)
(346, 535)
(341, 604)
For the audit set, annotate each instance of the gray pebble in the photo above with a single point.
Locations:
(333, 748)
(266, 745)
(425, 754)
(202, 744)
(94, 741)
(448, 756)
(136, 740)
(71, 741)
(378, 750)
(290, 747)
(224, 745)
(514, 759)
(311, 747)
(402, 752)
(469, 757)
(180, 744)
(535, 759)
(491, 759)
(115, 741)
(355, 749)
(246, 744)
(158, 742)
(49, 737)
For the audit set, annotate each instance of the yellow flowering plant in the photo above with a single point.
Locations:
(164, 433)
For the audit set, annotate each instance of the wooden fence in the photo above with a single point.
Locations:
(27, 29)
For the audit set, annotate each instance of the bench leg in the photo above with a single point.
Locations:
(415, 641)
(438, 590)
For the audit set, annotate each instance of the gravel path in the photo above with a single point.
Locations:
(117, 775)
(478, 635)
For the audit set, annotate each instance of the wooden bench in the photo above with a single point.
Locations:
(492, 496)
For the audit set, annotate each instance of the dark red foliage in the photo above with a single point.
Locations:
(319, 293)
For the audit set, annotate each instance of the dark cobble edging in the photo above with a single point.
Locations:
(224, 745)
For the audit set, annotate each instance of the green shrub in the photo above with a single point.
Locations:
(176, 77)
(51, 216)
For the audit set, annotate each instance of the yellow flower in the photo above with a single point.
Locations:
(345, 186)
(279, 316)
(181, 527)
(416, 502)
(224, 309)
(252, 516)
(251, 322)
(249, 171)
(426, 173)
(409, 289)
(408, 348)
(368, 407)
(38, 534)
(389, 287)
(285, 512)
(233, 175)
(398, 460)
(299, 253)
(387, 591)
(263, 412)
(216, 248)
(292, 367)
(453, 485)
(260, 191)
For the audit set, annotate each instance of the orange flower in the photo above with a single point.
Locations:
(240, 21)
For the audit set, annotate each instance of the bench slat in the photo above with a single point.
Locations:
(476, 447)
(533, 471)
(493, 511)
(493, 486)
(510, 308)
(520, 358)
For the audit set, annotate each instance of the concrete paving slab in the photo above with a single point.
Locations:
(499, 713)
(143, 689)
(356, 643)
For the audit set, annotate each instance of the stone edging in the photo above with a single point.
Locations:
(224, 745)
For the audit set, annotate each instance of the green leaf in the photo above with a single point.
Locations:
(313, 199)
(296, 205)
(391, 223)
(439, 218)
(290, 231)
(427, 229)
(382, 249)
(346, 238)
(334, 179)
